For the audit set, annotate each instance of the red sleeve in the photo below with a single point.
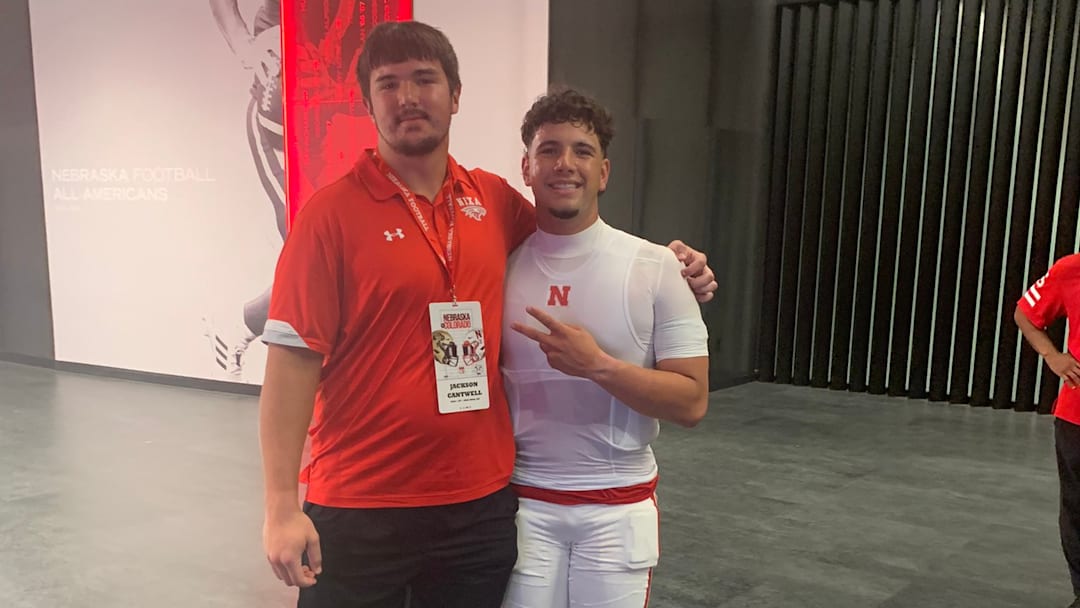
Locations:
(521, 218)
(305, 304)
(1044, 302)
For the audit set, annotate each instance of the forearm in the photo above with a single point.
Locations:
(1036, 337)
(658, 393)
(285, 408)
(230, 22)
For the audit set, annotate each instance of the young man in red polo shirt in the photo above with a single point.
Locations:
(1052, 297)
(385, 277)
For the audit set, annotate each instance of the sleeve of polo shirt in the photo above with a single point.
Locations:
(305, 304)
(1044, 301)
(520, 217)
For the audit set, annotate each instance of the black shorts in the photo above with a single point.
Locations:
(449, 556)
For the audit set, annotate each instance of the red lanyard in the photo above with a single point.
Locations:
(446, 256)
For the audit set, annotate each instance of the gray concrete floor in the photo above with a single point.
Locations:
(119, 494)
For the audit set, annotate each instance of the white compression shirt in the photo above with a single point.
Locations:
(629, 293)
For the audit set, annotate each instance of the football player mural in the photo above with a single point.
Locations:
(326, 126)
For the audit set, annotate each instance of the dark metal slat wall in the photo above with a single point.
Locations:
(926, 170)
(885, 276)
(955, 190)
(986, 345)
(979, 220)
(871, 192)
(855, 155)
(834, 182)
(922, 78)
(792, 216)
(812, 207)
(934, 195)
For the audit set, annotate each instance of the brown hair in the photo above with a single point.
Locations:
(566, 105)
(397, 41)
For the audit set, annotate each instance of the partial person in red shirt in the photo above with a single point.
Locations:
(386, 274)
(1052, 297)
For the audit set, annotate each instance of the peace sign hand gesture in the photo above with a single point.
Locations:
(569, 348)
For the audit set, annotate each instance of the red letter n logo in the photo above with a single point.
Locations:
(559, 295)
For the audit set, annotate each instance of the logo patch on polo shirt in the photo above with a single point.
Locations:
(471, 207)
(396, 234)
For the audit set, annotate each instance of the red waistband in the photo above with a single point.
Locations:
(613, 496)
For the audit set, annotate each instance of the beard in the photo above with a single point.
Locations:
(406, 147)
(422, 147)
(564, 214)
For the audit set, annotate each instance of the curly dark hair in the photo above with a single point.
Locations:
(566, 105)
(398, 41)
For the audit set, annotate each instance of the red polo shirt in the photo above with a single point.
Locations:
(354, 280)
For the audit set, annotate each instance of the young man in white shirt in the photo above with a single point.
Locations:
(608, 341)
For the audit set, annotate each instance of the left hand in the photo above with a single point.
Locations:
(696, 271)
(570, 349)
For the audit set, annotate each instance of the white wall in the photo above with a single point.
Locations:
(125, 85)
(502, 48)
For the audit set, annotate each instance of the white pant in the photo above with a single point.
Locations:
(584, 555)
